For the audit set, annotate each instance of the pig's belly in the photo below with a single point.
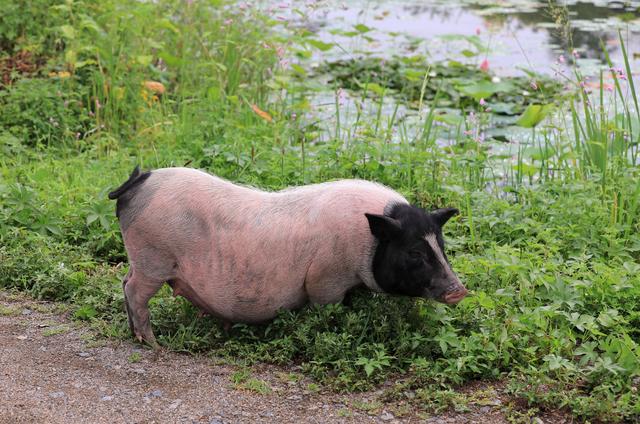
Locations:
(248, 306)
(253, 312)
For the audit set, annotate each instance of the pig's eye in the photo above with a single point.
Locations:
(416, 254)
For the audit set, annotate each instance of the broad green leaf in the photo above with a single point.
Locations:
(533, 115)
(170, 59)
(89, 23)
(362, 28)
(414, 74)
(485, 89)
(448, 118)
(375, 88)
(320, 45)
(144, 60)
(68, 31)
(85, 312)
(303, 54)
(167, 24)
(83, 63)
(526, 169)
(299, 69)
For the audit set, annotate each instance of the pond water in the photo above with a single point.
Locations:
(507, 37)
(517, 33)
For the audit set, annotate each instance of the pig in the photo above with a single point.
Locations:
(242, 254)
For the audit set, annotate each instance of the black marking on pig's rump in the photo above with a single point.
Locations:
(135, 178)
(126, 191)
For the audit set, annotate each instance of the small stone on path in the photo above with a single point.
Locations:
(386, 416)
(175, 404)
(155, 393)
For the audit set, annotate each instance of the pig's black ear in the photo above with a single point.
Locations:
(441, 216)
(383, 227)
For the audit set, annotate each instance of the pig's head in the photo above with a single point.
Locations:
(409, 259)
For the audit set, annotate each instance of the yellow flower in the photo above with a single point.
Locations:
(61, 74)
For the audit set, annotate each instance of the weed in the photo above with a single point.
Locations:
(313, 387)
(370, 407)
(243, 380)
(55, 331)
(134, 358)
(8, 311)
(344, 412)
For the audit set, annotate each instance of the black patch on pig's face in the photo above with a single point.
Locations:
(404, 262)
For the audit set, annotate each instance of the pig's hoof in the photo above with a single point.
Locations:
(157, 352)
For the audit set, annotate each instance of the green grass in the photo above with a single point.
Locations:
(547, 243)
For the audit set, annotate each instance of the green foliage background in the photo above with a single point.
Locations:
(552, 265)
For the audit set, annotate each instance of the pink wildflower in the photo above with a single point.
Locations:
(484, 66)
(342, 96)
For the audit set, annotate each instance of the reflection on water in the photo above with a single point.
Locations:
(517, 33)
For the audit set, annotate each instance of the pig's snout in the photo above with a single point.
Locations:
(455, 296)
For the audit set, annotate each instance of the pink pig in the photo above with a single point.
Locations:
(242, 254)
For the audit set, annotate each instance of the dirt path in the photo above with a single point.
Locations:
(53, 370)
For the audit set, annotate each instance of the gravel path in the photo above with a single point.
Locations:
(53, 370)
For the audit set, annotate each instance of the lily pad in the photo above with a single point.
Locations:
(485, 89)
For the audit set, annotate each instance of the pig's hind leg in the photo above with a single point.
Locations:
(138, 289)
(125, 280)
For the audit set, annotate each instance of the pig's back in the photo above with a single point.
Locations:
(245, 253)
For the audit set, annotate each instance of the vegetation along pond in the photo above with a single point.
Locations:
(524, 115)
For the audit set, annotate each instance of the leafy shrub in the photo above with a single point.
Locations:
(29, 24)
(45, 112)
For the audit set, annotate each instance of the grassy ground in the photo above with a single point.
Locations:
(548, 243)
